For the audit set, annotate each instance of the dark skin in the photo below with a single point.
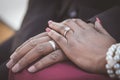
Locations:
(83, 39)
(84, 45)
(33, 49)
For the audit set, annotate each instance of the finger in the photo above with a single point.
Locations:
(81, 23)
(48, 60)
(71, 23)
(99, 27)
(31, 44)
(25, 49)
(40, 35)
(37, 36)
(37, 52)
(58, 27)
(59, 39)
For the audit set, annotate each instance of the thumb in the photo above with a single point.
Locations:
(99, 27)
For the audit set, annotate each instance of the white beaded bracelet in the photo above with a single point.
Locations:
(110, 61)
(113, 61)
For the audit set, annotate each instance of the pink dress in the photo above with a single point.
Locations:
(59, 71)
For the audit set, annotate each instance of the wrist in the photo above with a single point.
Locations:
(113, 61)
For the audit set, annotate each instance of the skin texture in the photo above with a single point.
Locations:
(85, 45)
(36, 48)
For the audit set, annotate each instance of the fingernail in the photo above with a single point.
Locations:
(32, 69)
(98, 20)
(50, 21)
(9, 64)
(48, 29)
(16, 68)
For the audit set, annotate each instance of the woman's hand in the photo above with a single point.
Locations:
(84, 44)
(35, 49)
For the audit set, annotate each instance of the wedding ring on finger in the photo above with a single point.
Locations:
(66, 29)
(53, 44)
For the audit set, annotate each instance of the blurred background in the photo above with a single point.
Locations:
(11, 15)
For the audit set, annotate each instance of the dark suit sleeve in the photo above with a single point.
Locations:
(36, 18)
(110, 20)
(5, 50)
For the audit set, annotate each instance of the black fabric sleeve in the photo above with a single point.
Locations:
(5, 50)
(110, 20)
(4, 71)
(35, 21)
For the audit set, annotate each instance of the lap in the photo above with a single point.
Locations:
(66, 70)
(59, 71)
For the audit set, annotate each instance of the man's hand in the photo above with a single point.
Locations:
(36, 51)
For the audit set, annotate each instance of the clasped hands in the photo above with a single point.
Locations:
(85, 44)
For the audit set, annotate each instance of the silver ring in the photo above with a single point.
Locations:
(66, 30)
(52, 43)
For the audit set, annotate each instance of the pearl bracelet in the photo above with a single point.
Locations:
(113, 61)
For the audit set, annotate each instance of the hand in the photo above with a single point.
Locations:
(33, 50)
(84, 44)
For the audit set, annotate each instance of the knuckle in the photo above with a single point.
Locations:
(14, 59)
(40, 48)
(69, 21)
(78, 20)
(54, 56)
(66, 21)
(23, 62)
(59, 38)
(42, 63)
(32, 43)
(74, 19)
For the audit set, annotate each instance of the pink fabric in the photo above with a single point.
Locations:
(59, 71)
